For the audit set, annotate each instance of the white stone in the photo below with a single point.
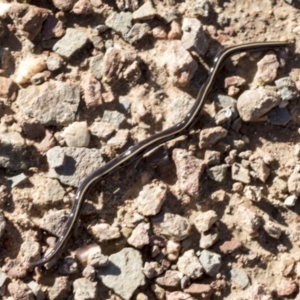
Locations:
(76, 135)
(290, 201)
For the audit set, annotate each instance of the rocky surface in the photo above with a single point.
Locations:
(212, 214)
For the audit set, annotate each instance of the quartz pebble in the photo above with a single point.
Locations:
(151, 198)
(290, 201)
(76, 135)
(105, 232)
(189, 264)
(204, 220)
(152, 269)
(249, 221)
(172, 250)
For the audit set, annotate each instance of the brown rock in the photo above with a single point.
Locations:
(175, 32)
(199, 289)
(178, 296)
(230, 246)
(91, 90)
(169, 279)
(261, 171)
(179, 64)
(60, 289)
(64, 5)
(234, 81)
(20, 291)
(47, 143)
(83, 7)
(52, 28)
(14, 269)
(211, 136)
(267, 68)
(140, 236)
(7, 89)
(28, 18)
(286, 287)
(188, 169)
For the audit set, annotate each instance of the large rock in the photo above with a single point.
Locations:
(124, 273)
(71, 42)
(253, 104)
(77, 164)
(52, 103)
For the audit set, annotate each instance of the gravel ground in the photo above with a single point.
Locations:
(210, 215)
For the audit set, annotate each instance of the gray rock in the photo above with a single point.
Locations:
(171, 225)
(240, 173)
(140, 236)
(56, 157)
(137, 32)
(12, 151)
(287, 88)
(120, 22)
(279, 116)
(52, 103)
(189, 264)
(76, 135)
(113, 117)
(54, 222)
(84, 289)
(60, 289)
(120, 139)
(253, 104)
(151, 198)
(211, 262)
(71, 42)
(68, 266)
(217, 173)
(272, 229)
(124, 272)
(188, 169)
(54, 62)
(194, 38)
(145, 12)
(223, 101)
(96, 65)
(239, 277)
(79, 162)
(15, 180)
(36, 290)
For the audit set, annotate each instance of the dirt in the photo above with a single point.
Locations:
(262, 257)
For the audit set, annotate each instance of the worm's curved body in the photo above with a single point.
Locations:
(136, 151)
